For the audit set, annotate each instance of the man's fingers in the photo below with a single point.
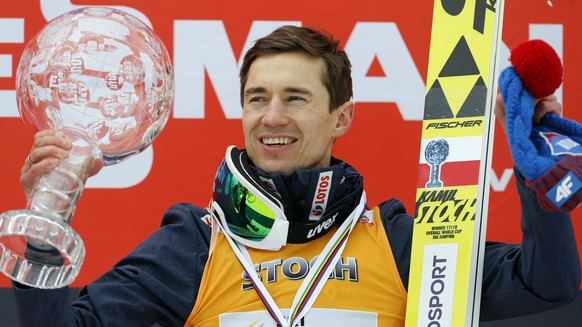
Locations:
(545, 106)
(51, 138)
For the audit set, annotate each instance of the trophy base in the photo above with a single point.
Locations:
(433, 184)
(39, 251)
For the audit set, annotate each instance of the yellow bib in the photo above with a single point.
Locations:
(364, 289)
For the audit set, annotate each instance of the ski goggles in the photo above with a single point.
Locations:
(248, 212)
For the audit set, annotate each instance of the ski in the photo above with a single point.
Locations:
(455, 161)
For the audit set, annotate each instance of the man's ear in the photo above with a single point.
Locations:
(345, 116)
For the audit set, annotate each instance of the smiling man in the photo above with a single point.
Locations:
(289, 120)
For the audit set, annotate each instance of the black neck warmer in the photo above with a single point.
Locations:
(342, 184)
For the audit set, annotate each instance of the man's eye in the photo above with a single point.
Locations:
(295, 98)
(257, 99)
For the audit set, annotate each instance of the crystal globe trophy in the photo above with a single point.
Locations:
(436, 153)
(104, 79)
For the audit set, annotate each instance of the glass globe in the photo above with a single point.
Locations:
(105, 79)
(101, 72)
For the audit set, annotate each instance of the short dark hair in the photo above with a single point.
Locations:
(320, 44)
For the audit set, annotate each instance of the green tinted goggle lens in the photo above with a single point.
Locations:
(250, 217)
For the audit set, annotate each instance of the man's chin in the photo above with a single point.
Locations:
(272, 166)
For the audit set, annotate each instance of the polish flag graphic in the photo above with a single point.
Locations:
(460, 167)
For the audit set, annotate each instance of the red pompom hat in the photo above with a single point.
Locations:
(538, 67)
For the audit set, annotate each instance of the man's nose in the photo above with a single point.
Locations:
(276, 113)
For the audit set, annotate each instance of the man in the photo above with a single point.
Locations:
(331, 262)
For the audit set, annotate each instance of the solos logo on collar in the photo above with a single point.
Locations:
(321, 196)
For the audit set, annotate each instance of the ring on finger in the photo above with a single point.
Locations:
(30, 160)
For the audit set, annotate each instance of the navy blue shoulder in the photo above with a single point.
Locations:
(187, 213)
(398, 225)
(161, 276)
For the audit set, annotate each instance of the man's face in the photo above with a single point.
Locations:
(286, 119)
